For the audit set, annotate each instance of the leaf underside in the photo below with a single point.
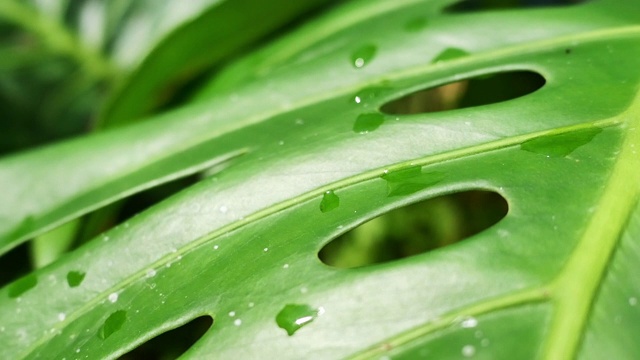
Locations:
(553, 279)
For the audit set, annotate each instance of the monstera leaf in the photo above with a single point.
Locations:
(310, 138)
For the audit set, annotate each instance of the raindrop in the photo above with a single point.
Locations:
(265, 249)
(416, 24)
(216, 247)
(469, 322)
(294, 316)
(468, 350)
(251, 304)
(232, 313)
(410, 180)
(363, 55)
(112, 324)
(450, 54)
(560, 145)
(62, 316)
(223, 209)
(299, 122)
(281, 142)
(367, 122)
(113, 297)
(285, 266)
(330, 201)
(237, 322)
(75, 278)
(633, 301)
(151, 273)
(22, 285)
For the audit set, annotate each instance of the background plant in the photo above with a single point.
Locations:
(528, 154)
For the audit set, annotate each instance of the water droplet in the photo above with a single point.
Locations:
(280, 142)
(450, 54)
(299, 122)
(251, 304)
(367, 122)
(485, 342)
(22, 285)
(410, 180)
(416, 24)
(223, 209)
(232, 313)
(265, 249)
(330, 201)
(112, 324)
(363, 55)
(304, 290)
(285, 266)
(469, 322)
(216, 247)
(560, 145)
(105, 238)
(77, 350)
(151, 273)
(237, 322)
(113, 297)
(62, 316)
(633, 301)
(294, 316)
(468, 350)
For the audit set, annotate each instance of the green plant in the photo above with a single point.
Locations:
(301, 141)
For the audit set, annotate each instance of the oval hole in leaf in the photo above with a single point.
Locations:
(466, 6)
(173, 343)
(416, 229)
(477, 91)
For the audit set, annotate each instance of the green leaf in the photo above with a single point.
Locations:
(553, 280)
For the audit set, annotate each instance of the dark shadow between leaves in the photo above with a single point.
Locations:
(173, 343)
(476, 91)
(416, 229)
(466, 6)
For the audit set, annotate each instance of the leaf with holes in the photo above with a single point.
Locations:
(329, 132)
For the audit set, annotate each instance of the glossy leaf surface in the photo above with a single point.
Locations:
(553, 279)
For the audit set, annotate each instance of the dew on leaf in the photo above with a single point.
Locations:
(294, 316)
(363, 55)
(112, 324)
(62, 316)
(416, 24)
(330, 201)
(22, 285)
(113, 297)
(560, 145)
(366, 123)
(237, 322)
(633, 301)
(469, 322)
(410, 180)
(468, 350)
(450, 54)
(232, 313)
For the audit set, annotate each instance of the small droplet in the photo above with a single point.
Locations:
(113, 297)
(330, 201)
(251, 304)
(265, 249)
(299, 122)
(469, 322)
(363, 55)
(105, 238)
(294, 316)
(416, 24)
(237, 322)
(280, 142)
(285, 266)
(633, 301)
(410, 180)
(485, 342)
(304, 290)
(368, 122)
(232, 313)
(151, 273)
(468, 350)
(62, 316)
(223, 209)
(216, 247)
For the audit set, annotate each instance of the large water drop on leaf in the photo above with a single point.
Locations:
(367, 122)
(75, 278)
(294, 316)
(560, 145)
(410, 180)
(112, 324)
(329, 201)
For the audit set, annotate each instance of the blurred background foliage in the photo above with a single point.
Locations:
(65, 65)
